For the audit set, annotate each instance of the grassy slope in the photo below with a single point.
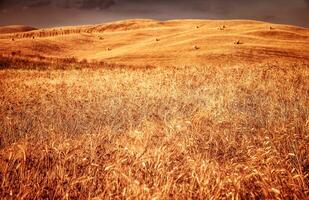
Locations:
(15, 29)
(134, 42)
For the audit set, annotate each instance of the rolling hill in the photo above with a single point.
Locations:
(166, 43)
(15, 29)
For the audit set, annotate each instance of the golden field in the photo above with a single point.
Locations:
(94, 130)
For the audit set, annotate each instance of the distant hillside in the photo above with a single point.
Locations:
(15, 29)
(166, 43)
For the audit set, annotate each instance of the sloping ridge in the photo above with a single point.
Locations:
(279, 34)
(290, 32)
(15, 29)
(108, 27)
(125, 25)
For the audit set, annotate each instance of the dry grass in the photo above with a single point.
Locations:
(17, 60)
(217, 132)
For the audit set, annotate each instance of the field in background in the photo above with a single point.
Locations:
(211, 132)
(166, 43)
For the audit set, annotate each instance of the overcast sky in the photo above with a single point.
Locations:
(48, 13)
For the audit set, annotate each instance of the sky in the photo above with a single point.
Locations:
(53, 13)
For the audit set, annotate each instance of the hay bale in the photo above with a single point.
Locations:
(222, 27)
(196, 47)
(238, 42)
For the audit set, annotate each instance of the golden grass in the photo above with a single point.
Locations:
(217, 132)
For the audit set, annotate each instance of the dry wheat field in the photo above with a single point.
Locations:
(147, 109)
(190, 132)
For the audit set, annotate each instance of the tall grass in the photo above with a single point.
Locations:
(212, 132)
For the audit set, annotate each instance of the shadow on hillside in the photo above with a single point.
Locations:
(37, 62)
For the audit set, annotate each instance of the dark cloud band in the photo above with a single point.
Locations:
(83, 4)
(92, 11)
(91, 4)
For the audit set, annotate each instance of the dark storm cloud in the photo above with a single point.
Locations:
(102, 4)
(83, 4)
(39, 3)
(65, 12)
(91, 4)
